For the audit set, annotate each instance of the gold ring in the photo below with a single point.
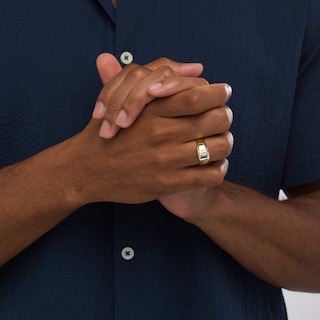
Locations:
(202, 151)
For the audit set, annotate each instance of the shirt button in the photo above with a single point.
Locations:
(126, 57)
(127, 253)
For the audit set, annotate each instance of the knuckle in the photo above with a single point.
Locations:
(135, 71)
(221, 118)
(204, 81)
(166, 71)
(160, 160)
(130, 67)
(164, 184)
(192, 99)
(214, 176)
(221, 92)
(218, 175)
(164, 61)
(158, 135)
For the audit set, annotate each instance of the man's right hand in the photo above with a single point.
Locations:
(156, 155)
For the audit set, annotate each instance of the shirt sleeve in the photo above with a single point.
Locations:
(302, 164)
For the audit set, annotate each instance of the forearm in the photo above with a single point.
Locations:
(34, 197)
(38, 193)
(276, 240)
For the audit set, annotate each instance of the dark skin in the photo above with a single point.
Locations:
(277, 241)
(87, 168)
(303, 203)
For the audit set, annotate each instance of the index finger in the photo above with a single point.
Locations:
(193, 101)
(182, 68)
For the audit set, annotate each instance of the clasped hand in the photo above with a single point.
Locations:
(162, 108)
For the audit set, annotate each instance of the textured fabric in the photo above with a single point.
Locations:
(267, 50)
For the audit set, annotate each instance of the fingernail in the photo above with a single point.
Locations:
(155, 86)
(228, 90)
(98, 111)
(121, 118)
(105, 129)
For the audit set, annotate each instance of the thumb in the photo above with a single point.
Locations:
(108, 66)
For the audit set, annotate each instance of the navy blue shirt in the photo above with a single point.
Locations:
(113, 261)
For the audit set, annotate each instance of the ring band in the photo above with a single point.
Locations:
(202, 151)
